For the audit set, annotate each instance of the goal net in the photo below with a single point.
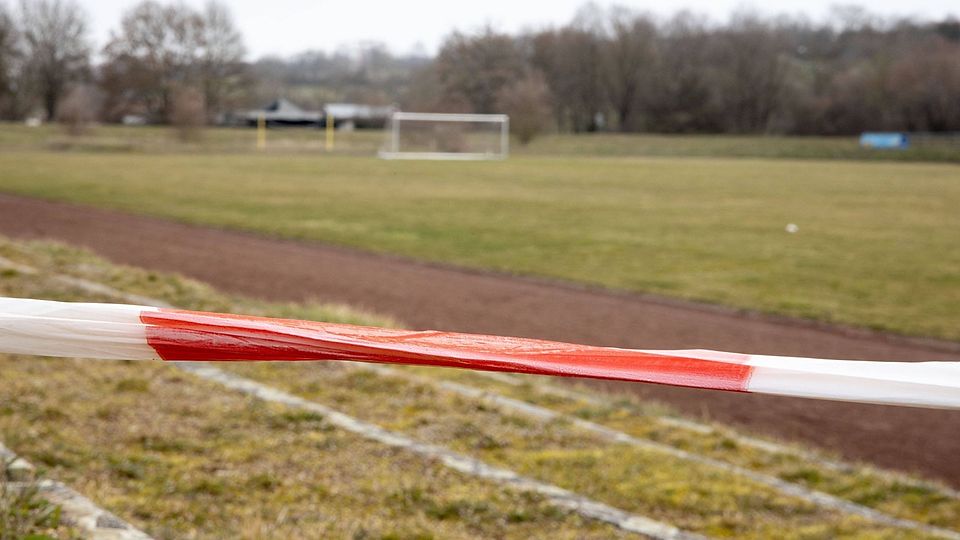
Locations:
(447, 136)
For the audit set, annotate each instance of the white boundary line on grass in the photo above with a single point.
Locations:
(558, 496)
(699, 427)
(76, 510)
(817, 498)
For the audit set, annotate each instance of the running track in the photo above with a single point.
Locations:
(442, 297)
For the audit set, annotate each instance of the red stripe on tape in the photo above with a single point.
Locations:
(191, 335)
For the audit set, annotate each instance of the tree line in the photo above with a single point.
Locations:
(170, 63)
(610, 69)
(620, 70)
(164, 62)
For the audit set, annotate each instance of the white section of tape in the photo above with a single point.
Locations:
(86, 311)
(41, 327)
(919, 384)
(115, 331)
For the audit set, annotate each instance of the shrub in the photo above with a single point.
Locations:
(527, 102)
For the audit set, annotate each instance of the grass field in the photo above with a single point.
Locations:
(180, 457)
(154, 139)
(749, 146)
(878, 243)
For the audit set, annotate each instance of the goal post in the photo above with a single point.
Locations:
(412, 135)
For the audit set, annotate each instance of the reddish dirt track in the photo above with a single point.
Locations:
(439, 297)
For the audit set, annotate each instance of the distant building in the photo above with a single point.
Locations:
(352, 115)
(283, 112)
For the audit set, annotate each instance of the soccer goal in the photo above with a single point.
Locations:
(447, 136)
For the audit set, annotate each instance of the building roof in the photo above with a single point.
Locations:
(354, 111)
(283, 110)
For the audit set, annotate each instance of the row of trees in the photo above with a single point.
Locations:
(609, 69)
(165, 62)
(162, 57)
(43, 49)
(166, 55)
(623, 70)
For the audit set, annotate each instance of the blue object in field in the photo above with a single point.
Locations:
(884, 140)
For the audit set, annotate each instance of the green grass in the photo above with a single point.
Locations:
(161, 139)
(164, 140)
(860, 483)
(757, 146)
(877, 244)
(192, 459)
(692, 496)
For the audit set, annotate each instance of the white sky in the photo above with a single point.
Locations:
(289, 26)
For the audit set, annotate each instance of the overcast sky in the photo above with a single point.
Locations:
(288, 26)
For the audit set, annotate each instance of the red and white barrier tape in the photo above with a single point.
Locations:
(119, 331)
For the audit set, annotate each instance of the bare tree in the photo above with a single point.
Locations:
(55, 46)
(425, 94)
(477, 67)
(680, 97)
(925, 86)
(156, 49)
(10, 58)
(160, 48)
(223, 70)
(749, 73)
(628, 68)
(528, 102)
(570, 59)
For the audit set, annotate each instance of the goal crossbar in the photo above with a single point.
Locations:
(450, 117)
